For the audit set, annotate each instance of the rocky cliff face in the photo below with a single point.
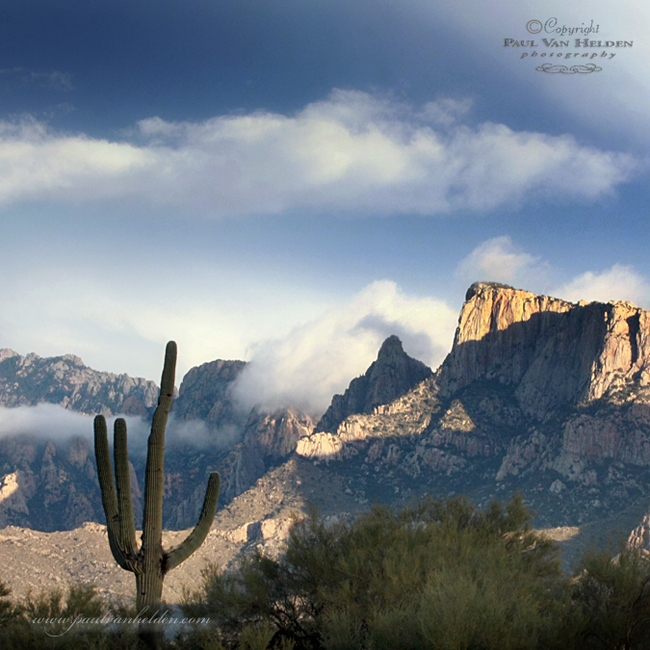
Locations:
(48, 486)
(204, 394)
(389, 377)
(553, 352)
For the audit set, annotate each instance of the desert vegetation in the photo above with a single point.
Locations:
(441, 574)
(150, 562)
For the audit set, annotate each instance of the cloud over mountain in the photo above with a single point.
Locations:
(320, 358)
(500, 259)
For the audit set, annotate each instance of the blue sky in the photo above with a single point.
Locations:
(291, 181)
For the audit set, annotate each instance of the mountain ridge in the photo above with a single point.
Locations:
(537, 394)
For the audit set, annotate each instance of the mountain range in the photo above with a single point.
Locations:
(537, 394)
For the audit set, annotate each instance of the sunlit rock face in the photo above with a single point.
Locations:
(553, 352)
(537, 394)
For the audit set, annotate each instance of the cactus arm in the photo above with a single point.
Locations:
(124, 503)
(181, 552)
(107, 487)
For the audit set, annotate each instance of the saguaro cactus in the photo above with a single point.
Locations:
(150, 562)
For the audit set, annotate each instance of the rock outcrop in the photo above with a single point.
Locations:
(392, 375)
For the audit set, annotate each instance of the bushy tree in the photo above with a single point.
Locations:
(440, 574)
(612, 598)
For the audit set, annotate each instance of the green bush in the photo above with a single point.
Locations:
(440, 574)
(612, 599)
(53, 620)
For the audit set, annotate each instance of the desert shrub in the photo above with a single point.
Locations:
(52, 619)
(439, 574)
(7, 609)
(612, 599)
(487, 600)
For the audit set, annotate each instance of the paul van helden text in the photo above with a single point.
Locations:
(555, 46)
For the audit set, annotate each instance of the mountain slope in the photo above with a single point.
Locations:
(537, 394)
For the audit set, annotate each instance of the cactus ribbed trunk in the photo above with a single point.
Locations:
(151, 562)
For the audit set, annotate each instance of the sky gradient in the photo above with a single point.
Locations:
(290, 182)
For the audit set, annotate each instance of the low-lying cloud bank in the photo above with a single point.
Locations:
(58, 424)
(53, 422)
(351, 152)
(315, 361)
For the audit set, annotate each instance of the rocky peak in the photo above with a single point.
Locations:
(205, 393)
(554, 352)
(392, 346)
(65, 380)
(7, 353)
(392, 375)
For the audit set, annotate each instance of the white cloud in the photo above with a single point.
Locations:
(500, 260)
(619, 282)
(319, 359)
(352, 152)
(53, 422)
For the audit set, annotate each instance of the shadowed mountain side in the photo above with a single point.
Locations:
(537, 394)
(204, 394)
(266, 439)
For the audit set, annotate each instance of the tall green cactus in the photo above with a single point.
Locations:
(150, 562)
